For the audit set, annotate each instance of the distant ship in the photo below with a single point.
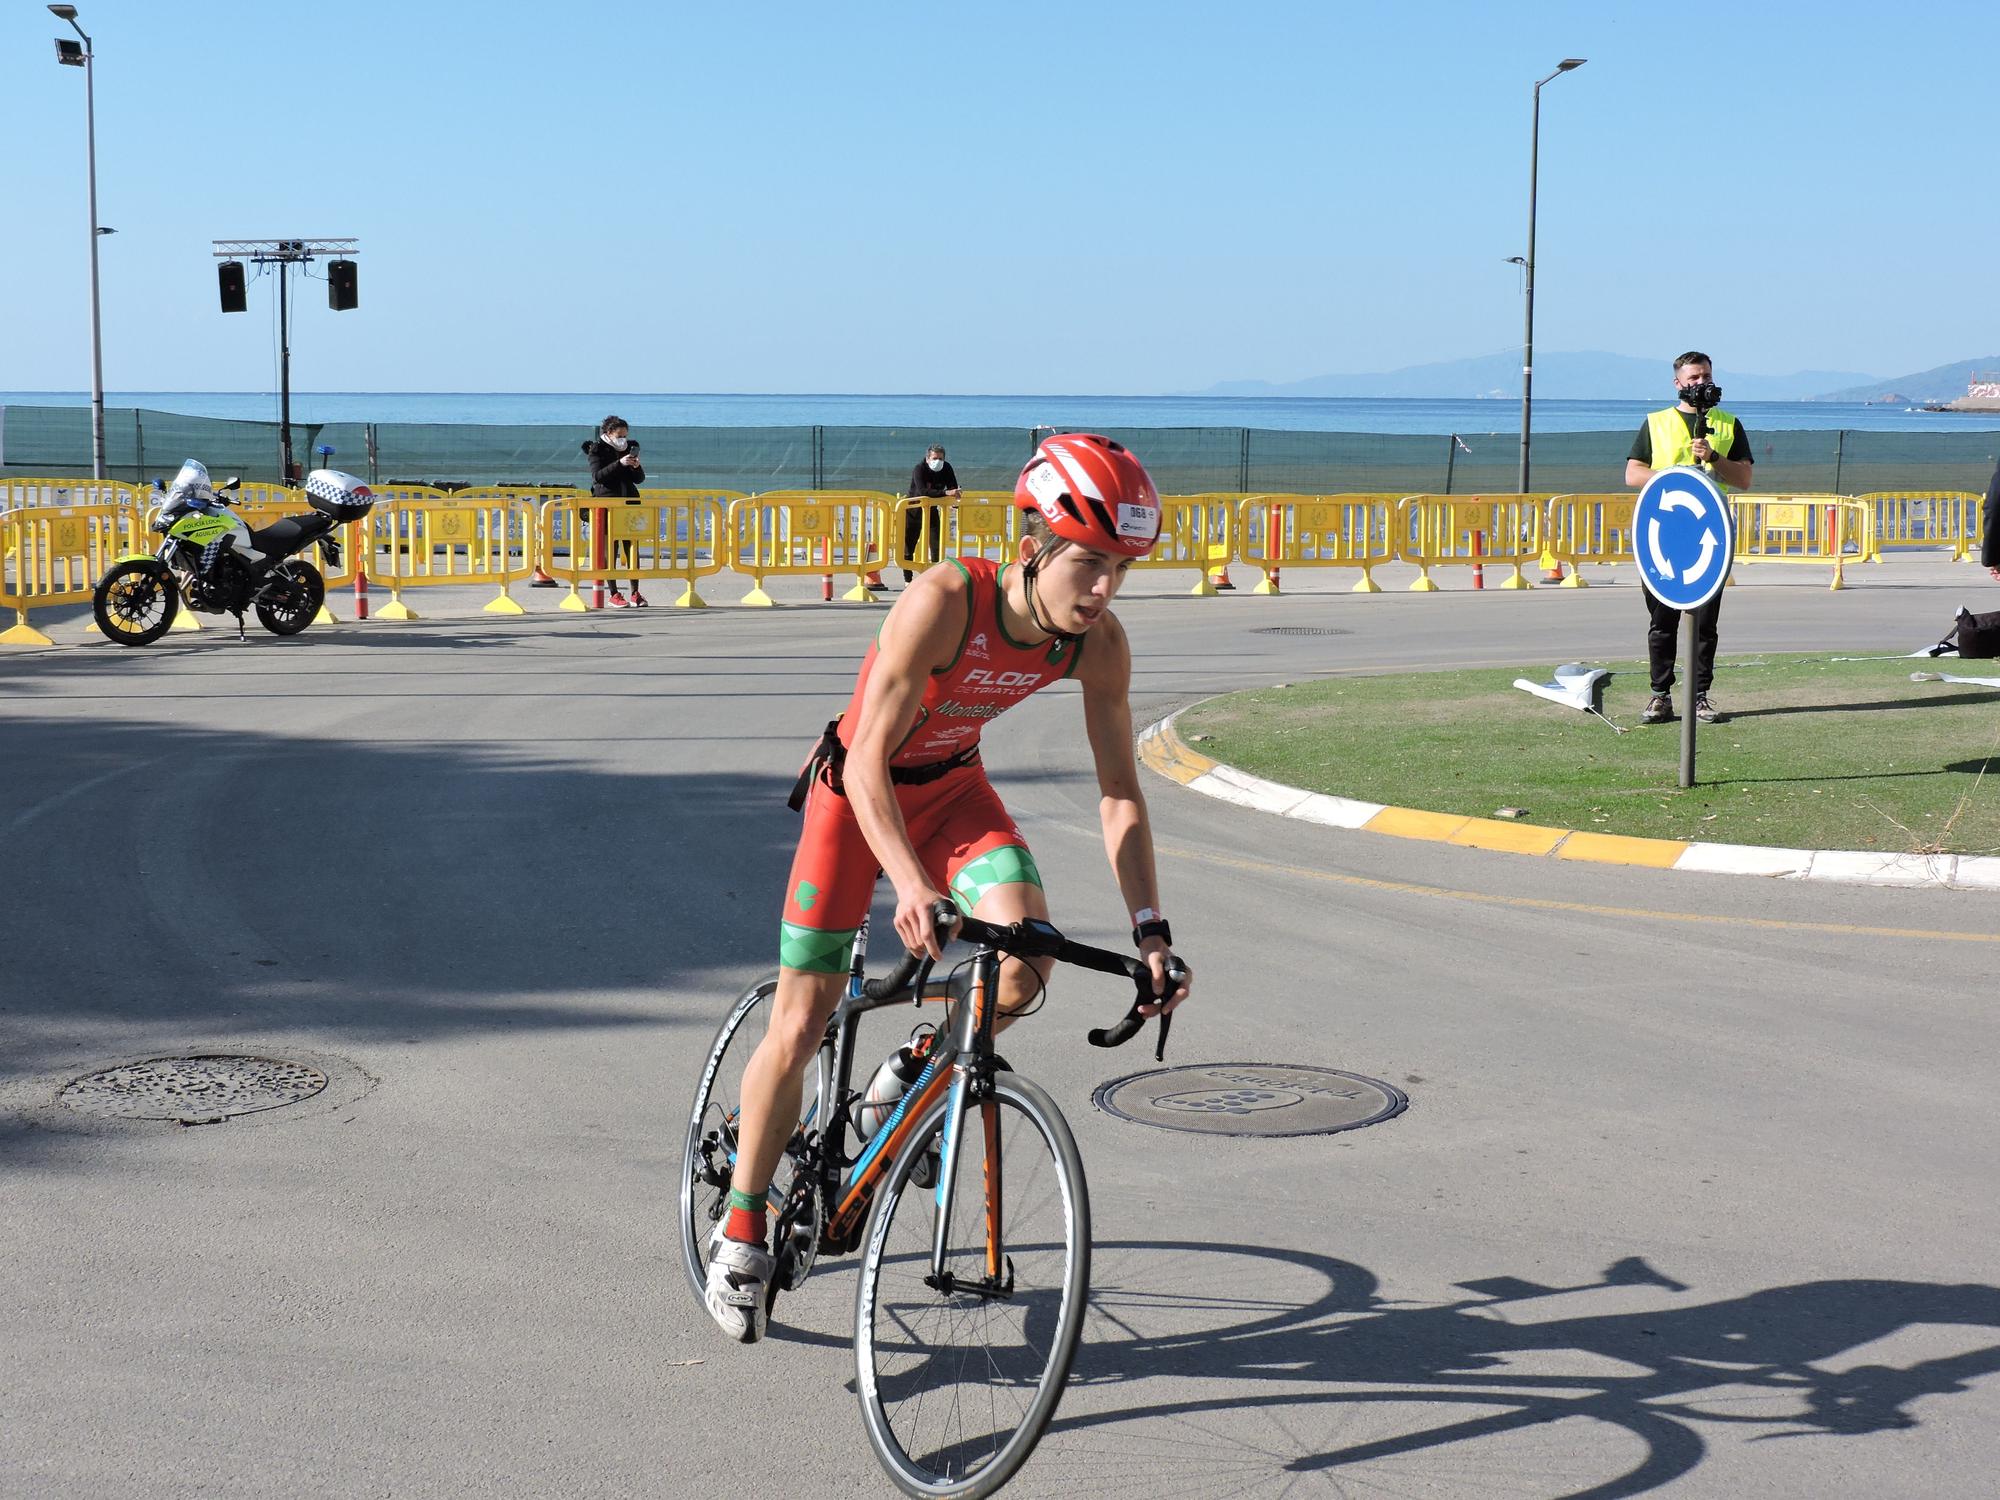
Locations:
(1982, 393)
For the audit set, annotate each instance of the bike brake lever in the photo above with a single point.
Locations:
(1129, 1025)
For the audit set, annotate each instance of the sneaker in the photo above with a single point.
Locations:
(616, 600)
(1705, 711)
(908, 576)
(1659, 710)
(639, 600)
(739, 1278)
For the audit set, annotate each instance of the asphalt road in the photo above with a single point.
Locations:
(1691, 1162)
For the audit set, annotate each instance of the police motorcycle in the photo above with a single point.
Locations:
(210, 561)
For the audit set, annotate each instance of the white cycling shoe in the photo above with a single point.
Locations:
(739, 1279)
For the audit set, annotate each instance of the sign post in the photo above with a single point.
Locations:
(1684, 542)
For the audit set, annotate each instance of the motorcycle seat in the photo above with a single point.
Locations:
(289, 534)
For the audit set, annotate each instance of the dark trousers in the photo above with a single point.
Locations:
(916, 521)
(1663, 642)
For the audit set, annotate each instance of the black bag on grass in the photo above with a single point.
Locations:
(1976, 637)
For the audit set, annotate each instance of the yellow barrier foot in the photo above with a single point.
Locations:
(1423, 585)
(326, 616)
(1518, 581)
(395, 609)
(24, 634)
(859, 594)
(1368, 585)
(184, 620)
(1575, 580)
(573, 603)
(1205, 589)
(1266, 585)
(1838, 581)
(759, 598)
(690, 600)
(504, 604)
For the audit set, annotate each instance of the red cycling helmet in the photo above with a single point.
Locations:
(1092, 491)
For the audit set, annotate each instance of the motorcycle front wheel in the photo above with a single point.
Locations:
(290, 609)
(135, 603)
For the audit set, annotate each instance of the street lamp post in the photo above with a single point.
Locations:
(1528, 271)
(69, 53)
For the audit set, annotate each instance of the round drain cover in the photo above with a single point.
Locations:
(1297, 630)
(193, 1090)
(1251, 1099)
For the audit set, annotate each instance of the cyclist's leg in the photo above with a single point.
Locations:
(991, 874)
(826, 896)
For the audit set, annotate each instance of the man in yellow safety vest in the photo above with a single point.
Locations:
(1667, 440)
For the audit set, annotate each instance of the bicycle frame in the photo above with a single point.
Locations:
(957, 1070)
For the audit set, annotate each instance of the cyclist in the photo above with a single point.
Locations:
(896, 784)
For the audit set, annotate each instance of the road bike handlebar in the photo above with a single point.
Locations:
(1031, 938)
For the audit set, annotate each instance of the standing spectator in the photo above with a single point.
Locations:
(932, 479)
(615, 474)
(1666, 441)
(1989, 535)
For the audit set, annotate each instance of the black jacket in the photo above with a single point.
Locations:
(608, 475)
(932, 486)
(1989, 546)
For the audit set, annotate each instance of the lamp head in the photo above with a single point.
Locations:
(63, 12)
(1571, 62)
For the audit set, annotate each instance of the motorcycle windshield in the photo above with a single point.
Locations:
(191, 483)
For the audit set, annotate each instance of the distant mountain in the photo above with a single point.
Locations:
(1945, 383)
(1588, 376)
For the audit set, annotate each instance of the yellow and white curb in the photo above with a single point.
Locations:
(1162, 750)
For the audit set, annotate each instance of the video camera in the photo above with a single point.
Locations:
(1704, 396)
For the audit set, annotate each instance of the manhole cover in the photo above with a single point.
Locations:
(193, 1090)
(1251, 1099)
(1296, 630)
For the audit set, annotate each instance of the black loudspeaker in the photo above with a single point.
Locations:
(230, 275)
(343, 292)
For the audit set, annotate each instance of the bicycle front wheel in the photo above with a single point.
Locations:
(960, 1373)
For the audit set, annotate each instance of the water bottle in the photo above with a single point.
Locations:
(886, 1089)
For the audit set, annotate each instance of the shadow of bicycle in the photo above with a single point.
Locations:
(1301, 1375)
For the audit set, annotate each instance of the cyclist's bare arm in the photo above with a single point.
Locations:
(917, 640)
(1105, 673)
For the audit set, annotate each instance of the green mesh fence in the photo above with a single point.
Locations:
(141, 445)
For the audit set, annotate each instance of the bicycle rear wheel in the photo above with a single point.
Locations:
(710, 1150)
(958, 1378)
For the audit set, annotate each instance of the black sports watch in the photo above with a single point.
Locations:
(1150, 925)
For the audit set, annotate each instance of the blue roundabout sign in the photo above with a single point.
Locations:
(1683, 537)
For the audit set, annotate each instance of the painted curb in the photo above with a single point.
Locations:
(1161, 749)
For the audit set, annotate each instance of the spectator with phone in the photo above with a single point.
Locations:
(1694, 431)
(932, 479)
(615, 474)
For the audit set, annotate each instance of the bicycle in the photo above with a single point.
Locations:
(970, 1285)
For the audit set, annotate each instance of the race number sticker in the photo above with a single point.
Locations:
(1138, 520)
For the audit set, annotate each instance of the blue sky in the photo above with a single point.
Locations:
(1071, 197)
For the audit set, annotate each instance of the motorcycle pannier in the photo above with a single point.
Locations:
(341, 496)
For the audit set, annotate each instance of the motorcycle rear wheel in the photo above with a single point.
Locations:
(295, 608)
(135, 603)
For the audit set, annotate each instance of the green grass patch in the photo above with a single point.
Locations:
(1814, 754)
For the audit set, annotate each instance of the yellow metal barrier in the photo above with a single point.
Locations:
(1922, 518)
(1196, 531)
(1469, 531)
(54, 554)
(17, 494)
(1582, 529)
(445, 540)
(1815, 529)
(981, 523)
(672, 534)
(1316, 531)
(800, 533)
